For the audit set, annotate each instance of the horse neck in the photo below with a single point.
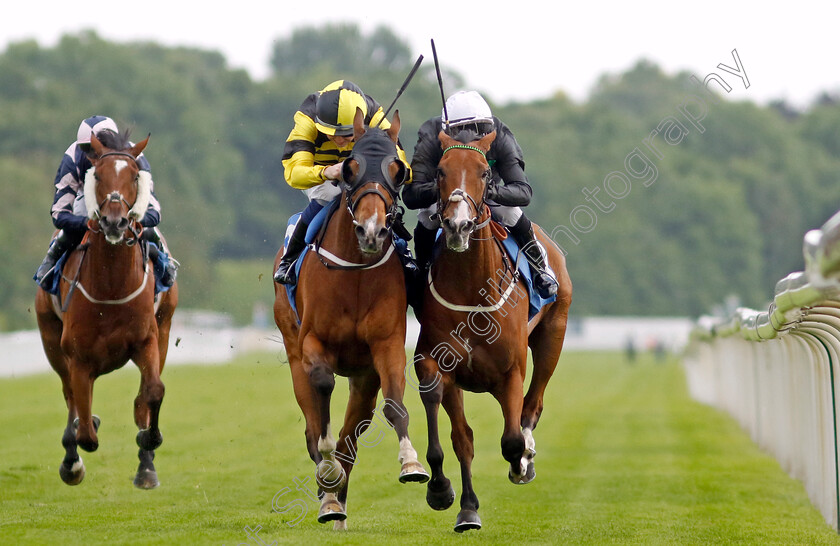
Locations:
(473, 267)
(113, 267)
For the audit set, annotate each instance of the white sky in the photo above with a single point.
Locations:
(510, 51)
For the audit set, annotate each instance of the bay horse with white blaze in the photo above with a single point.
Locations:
(106, 313)
(351, 300)
(475, 331)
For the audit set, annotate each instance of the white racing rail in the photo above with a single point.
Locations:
(778, 372)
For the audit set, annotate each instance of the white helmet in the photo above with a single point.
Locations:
(93, 125)
(467, 109)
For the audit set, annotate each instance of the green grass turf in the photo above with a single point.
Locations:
(624, 457)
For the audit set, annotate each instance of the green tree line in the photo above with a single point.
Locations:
(725, 214)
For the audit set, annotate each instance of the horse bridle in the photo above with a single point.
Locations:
(117, 197)
(459, 195)
(379, 147)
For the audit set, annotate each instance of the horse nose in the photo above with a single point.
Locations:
(466, 226)
(122, 224)
(383, 232)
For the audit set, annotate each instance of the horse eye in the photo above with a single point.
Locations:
(487, 175)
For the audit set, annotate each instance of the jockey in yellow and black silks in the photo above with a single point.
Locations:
(315, 150)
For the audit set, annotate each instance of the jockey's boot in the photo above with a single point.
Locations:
(523, 234)
(58, 247)
(285, 273)
(170, 264)
(424, 243)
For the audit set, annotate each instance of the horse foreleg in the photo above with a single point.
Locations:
(389, 361)
(146, 415)
(329, 473)
(81, 385)
(357, 419)
(513, 440)
(462, 442)
(439, 492)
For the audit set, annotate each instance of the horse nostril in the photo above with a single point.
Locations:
(360, 231)
(383, 232)
(122, 224)
(467, 226)
(448, 224)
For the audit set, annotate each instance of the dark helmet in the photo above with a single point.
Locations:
(336, 107)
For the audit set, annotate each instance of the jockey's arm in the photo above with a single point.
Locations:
(423, 191)
(299, 167)
(510, 167)
(67, 187)
(152, 216)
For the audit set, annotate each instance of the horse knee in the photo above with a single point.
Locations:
(153, 393)
(322, 380)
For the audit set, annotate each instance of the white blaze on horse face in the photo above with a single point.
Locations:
(119, 165)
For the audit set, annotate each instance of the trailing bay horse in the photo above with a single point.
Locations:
(351, 301)
(106, 313)
(475, 332)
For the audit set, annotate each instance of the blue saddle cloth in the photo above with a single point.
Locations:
(535, 301)
(311, 233)
(159, 266)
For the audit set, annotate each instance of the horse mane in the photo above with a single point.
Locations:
(114, 140)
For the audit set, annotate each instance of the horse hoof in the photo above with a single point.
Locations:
(413, 472)
(440, 500)
(528, 477)
(148, 440)
(74, 474)
(467, 520)
(331, 511)
(146, 479)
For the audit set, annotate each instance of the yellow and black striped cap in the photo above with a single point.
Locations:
(336, 107)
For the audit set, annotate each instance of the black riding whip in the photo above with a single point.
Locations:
(404, 86)
(440, 85)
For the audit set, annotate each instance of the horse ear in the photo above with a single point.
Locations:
(96, 147)
(394, 130)
(358, 124)
(138, 148)
(486, 141)
(446, 141)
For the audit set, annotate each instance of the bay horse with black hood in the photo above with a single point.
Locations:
(106, 313)
(475, 331)
(351, 301)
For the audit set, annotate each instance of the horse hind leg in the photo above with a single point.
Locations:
(72, 469)
(146, 417)
(515, 448)
(546, 343)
